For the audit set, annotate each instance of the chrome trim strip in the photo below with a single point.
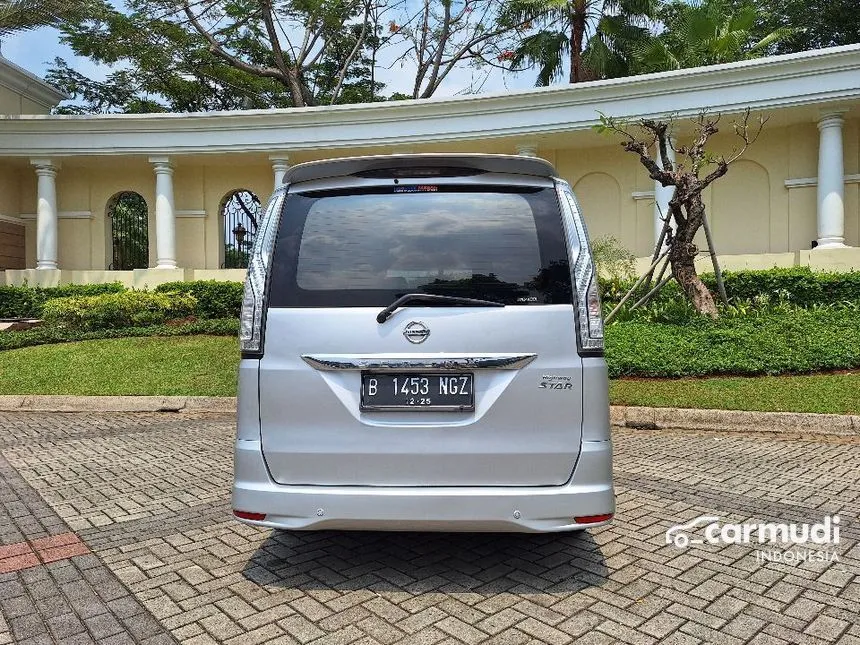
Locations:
(406, 362)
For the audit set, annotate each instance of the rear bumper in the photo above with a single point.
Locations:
(523, 509)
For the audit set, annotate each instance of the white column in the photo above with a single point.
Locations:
(831, 182)
(527, 150)
(280, 165)
(165, 217)
(662, 194)
(46, 214)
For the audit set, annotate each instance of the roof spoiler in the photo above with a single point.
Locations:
(422, 165)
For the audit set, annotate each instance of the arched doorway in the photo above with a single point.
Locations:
(129, 234)
(240, 212)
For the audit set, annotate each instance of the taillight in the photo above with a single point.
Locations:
(254, 295)
(593, 519)
(583, 274)
(248, 515)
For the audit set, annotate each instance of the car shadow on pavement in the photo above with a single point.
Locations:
(481, 563)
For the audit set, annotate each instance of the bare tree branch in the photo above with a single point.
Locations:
(266, 6)
(686, 208)
(217, 49)
(359, 43)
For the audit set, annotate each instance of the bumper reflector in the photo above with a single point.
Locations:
(246, 515)
(593, 519)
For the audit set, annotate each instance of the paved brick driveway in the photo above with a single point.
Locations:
(115, 528)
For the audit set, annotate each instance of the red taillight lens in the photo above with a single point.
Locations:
(245, 515)
(593, 519)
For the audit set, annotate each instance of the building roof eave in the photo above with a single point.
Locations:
(29, 85)
(815, 77)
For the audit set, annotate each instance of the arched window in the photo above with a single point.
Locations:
(241, 213)
(129, 232)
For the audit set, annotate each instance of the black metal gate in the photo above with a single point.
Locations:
(129, 224)
(241, 213)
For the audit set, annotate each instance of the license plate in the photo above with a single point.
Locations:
(409, 391)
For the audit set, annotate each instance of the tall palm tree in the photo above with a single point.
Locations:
(705, 33)
(590, 36)
(23, 15)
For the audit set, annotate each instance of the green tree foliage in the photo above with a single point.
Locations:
(706, 33)
(23, 15)
(174, 56)
(591, 38)
(189, 56)
(813, 23)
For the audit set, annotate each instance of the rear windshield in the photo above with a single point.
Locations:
(362, 249)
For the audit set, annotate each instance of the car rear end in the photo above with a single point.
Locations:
(479, 403)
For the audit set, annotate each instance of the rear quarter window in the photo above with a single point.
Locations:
(367, 248)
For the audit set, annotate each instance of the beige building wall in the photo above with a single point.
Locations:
(751, 210)
(13, 102)
(219, 181)
(84, 195)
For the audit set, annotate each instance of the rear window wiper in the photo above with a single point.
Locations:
(430, 298)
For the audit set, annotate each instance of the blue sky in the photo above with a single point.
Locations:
(36, 50)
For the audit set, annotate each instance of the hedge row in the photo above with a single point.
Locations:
(799, 285)
(47, 335)
(27, 302)
(799, 342)
(118, 310)
(214, 299)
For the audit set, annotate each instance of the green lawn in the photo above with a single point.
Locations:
(206, 365)
(833, 393)
(199, 365)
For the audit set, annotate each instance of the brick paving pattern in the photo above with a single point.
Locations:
(115, 528)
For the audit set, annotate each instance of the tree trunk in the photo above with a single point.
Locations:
(684, 271)
(578, 24)
(297, 93)
(682, 256)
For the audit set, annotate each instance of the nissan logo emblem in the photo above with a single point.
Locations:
(416, 332)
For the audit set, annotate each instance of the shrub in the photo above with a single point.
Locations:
(115, 310)
(48, 335)
(798, 285)
(796, 342)
(214, 299)
(27, 302)
(614, 261)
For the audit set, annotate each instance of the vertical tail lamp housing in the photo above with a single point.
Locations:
(583, 273)
(259, 262)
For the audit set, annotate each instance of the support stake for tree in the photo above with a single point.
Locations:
(659, 246)
(692, 173)
(718, 275)
(632, 290)
(648, 295)
(651, 294)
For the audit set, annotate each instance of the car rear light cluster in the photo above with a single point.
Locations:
(248, 515)
(583, 274)
(593, 519)
(253, 298)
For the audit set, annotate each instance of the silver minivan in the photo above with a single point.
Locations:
(422, 349)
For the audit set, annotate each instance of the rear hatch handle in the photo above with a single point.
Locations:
(429, 299)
